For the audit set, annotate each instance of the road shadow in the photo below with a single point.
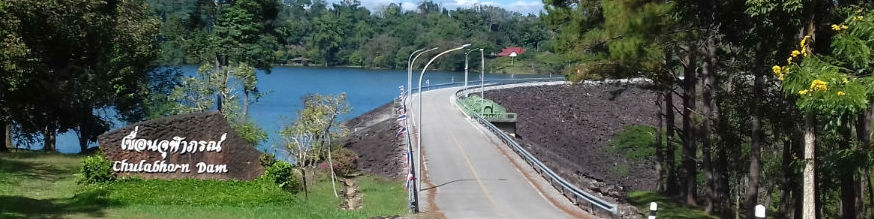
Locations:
(458, 180)
(91, 203)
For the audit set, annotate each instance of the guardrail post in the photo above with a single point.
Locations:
(653, 210)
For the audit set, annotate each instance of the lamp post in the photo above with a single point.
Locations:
(465, 67)
(410, 71)
(419, 130)
(482, 79)
(410, 62)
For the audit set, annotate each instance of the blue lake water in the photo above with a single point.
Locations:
(365, 90)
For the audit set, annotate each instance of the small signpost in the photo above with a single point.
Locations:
(197, 145)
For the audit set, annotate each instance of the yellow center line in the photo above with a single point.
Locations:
(476, 176)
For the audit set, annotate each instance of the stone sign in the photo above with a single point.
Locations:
(197, 145)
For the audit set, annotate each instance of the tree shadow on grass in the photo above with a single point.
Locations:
(33, 170)
(91, 203)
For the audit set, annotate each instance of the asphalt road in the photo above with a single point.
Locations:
(472, 174)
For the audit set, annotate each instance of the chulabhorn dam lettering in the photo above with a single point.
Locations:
(195, 145)
(130, 142)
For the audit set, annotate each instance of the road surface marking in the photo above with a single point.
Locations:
(476, 176)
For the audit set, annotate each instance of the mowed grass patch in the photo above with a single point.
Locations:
(44, 186)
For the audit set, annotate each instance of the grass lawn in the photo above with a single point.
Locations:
(43, 185)
(667, 208)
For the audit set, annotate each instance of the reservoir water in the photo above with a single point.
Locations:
(365, 90)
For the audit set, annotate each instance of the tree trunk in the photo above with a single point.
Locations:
(303, 176)
(756, 138)
(721, 169)
(847, 176)
(4, 128)
(870, 188)
(710, 111)
(690, 149)
(786, 181)
(809, 203)
(83, 137)
(49, 139)
(660, 158)
(670, 154)
(862, 127)
(331, 166)
(245, 103)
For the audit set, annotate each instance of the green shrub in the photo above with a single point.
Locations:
(345, 161)
(634, 143)
(283, 175)
(267, 159)
(247, 129)
(96, 169)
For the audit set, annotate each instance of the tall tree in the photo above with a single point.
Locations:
(97, 54)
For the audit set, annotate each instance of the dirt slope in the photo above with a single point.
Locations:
(373, 138)
(569, 126)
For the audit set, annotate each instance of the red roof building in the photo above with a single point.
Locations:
(511, 51)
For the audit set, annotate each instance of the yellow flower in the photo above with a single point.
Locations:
(795, 53)
(789, 60)
(841, 93)
(777, 69)
(804, 51)
(818, 85)
(836, 27)
(804, 41)
(844, 27)
(803, 92)
(844, 80)
(858, 18)
(780, 77)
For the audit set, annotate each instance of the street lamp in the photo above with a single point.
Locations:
(419, 129)
(465, 67)
(410, 72)
(410, 62)
(482, 78)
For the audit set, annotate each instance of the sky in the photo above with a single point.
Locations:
(522, 6)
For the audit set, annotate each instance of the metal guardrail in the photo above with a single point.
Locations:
(557, 181)
(489, 82)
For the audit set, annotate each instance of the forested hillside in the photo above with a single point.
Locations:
(347, 34)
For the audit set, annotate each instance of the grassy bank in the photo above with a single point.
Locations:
(39, 185)
(667, 208)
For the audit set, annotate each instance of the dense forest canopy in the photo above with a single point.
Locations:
(346, 33)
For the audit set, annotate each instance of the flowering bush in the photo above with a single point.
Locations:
(839, 83)
(345, 161)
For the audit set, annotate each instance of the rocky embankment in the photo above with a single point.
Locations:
(568, 127)
(373, 138)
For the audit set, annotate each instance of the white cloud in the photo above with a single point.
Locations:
(525, 7)
(409, 6)
(522, 6)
